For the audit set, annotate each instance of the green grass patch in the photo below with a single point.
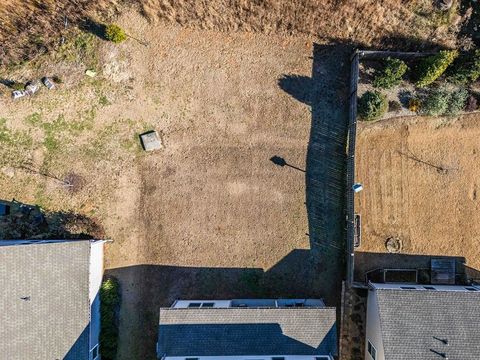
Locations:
(14, 145)
(79, 47)
(109, 302)
(34, 119)
(103, 100)
(13, 137)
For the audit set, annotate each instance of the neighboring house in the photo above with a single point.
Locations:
(427, 322)
(297, 329)
(49, 300)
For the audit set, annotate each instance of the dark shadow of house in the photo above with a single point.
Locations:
(371, 266)
(146, 288)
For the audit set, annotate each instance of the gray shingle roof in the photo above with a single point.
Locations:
(51, 322)
(413, 323)
(247, 331)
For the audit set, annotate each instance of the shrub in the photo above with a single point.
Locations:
(394, 106)
(436, 103)
(465, 69)
(115, 33)
(391, 74)
(57, 79)
(457, 101)
(432, 67)
(109, 301)
(18, 86)
(472, 103)
(372, 105)
(414, 104)
(441, 102)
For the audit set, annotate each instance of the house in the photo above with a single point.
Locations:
(265, 329)
(428, 322)
(50, 299)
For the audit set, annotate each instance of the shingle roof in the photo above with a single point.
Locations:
(247, 331)
(51, 321)
(414, 323)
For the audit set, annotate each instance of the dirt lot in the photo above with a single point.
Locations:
(210, 215)
(420, 178)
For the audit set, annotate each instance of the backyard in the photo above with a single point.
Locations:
(210, 215)
(420, 191)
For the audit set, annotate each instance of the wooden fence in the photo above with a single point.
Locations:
(351, 137)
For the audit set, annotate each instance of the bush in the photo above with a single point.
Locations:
(465, 69)
(18, 86)
(472, 104)
(57, 79)
(414, 104)
(394, 106)
(432, 67)
(115, 33)
(109, 301)
(436, 103)
(391, 74)
(457, 101)
(441, 102)
(372, 105)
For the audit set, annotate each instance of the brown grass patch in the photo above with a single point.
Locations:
(30, 27)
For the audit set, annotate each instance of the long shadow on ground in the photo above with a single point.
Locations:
(314, 273)
(326, 93)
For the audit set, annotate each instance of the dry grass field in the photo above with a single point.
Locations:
(30, 27)
(420, 178)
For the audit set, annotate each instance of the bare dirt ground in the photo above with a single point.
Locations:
(420, 178)
(210, 215)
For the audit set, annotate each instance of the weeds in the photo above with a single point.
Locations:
(15, 145)
(34, 119)
(103, 100)
(82, 47)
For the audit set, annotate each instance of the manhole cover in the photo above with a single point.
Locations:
(393, 245)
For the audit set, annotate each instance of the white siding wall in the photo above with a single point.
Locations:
(373, 332)
(96, 276)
